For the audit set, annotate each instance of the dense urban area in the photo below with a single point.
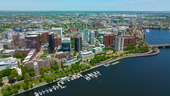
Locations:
(37, 48)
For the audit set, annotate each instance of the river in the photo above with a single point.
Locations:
(141, 76)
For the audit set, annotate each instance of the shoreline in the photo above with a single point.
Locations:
(99, 65)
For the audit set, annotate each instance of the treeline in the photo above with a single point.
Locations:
(98, 59)
(17, 55)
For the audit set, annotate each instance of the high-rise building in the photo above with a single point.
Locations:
(51, 42)
(108, 39)
(33, 42)
(57, 41)
(58, 31)
(66, 44)
(15, 40)
(84, 34)
(119, 42)
(45, 37)
(78, 42)
(92, 37)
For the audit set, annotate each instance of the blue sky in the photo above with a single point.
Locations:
(85, 5)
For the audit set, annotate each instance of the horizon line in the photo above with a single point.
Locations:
(80, 10)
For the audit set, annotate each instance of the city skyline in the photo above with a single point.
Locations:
(76, 5)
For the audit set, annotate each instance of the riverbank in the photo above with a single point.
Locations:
(150, 53)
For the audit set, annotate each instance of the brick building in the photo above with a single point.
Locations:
(22, 43)
(15, 40)
(57, 41)
(62, 54)
(108, 39)
(33, 42)
(73, 29)
(129, 40)
(36, 65)
(45, 37)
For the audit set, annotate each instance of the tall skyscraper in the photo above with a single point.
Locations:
(51, 42)
(66, 44)
(84, 34)
(92, 37)
(119, 42)
(33, 42)
(78, 42)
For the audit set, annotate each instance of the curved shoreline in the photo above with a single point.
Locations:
(101, 64)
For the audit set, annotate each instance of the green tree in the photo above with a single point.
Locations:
(56, 67)
(19, 78)
(11, 76)
(75, 53)
(26, 75)
(14, 72)
(25, 86)
(15, 90)
(32, 73)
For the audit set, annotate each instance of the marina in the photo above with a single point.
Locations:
(67, 79)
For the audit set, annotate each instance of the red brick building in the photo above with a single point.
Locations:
(62, 54)
(129, 40)
(45, 37)
(73, 29)
(22, 51)
(15, 40)
(36, 65)
(57, 41)
(108, 39)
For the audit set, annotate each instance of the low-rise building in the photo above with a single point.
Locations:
(98, 50)
(85, 54)
(129, 40)
(30, 56)
(62, 54)
(70, 59)
(7, 63)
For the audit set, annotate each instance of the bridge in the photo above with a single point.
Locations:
(160, 45)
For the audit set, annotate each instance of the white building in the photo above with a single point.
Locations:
(86, 54)
(92, 37)
(7, 63)
(119, 42)
(58, 31)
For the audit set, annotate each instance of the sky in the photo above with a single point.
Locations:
(84, 5)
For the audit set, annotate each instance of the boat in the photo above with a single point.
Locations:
(95, 76)
(43, 92)
(115, 63)
(57, 87)
(147, 30)
(36, 94)
(54, 88)
(40, 93)
(106, 65)
(46, 90)
(62, 82)
(50, 90)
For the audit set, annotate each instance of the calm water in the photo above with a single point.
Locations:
(158, 37)
(144, 76)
